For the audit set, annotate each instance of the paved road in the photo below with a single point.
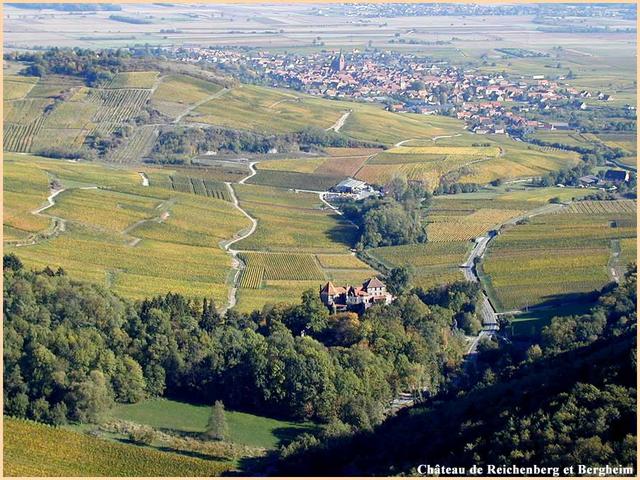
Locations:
(487, 311)
(468, 268)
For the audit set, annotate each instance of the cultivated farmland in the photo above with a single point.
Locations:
(271, 110)
(433, 263)
(151, 240)
(26, 187)
(133, 80)
(16, 87)
(196, 185)
(136, 147)
(311, 173)
(554, 257)
(276, 266)
(175, 93)
(33, 449)
(292, 222)
(461, 158)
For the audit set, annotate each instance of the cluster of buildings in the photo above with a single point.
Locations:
(615, 177)
(355, 299)
(487, 102)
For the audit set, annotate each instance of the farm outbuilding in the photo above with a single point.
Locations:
(616, 176)
(350, 185)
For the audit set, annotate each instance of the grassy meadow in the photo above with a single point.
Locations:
(185, 418)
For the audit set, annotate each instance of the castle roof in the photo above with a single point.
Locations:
(331, 289)
(372, 283)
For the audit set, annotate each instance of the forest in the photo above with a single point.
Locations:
(72, 349)
(569, 399)
(94, 67)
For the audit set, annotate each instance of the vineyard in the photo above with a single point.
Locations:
(170, 240)
(373, 124)
(252, 277)
(136, 147)
(60, 112)
(555, 257)
(459, 159)
(195, 185)
(444, 150)
(34, 449)
(277, 266)
(19, 138)
(304, 181)
(596, 207)
(176, 92)
(341, 262)
(117, 106)
(16, 87)
(272, 110)
(469, 226)
(292, 222)
(433, 263)
(26, 187)
(133, 80)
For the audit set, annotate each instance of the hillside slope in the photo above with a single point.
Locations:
(32, 449)
(576, 407)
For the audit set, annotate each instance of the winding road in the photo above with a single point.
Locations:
(236, 263)
(433, 139)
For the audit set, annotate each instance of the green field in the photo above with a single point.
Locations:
(186, 418)
(281, 111)
(554, 258)
(36, 450)
(274, 111)
(531, 323)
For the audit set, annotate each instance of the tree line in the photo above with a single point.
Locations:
(180, 145)
(94, 67)
(72, 349)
